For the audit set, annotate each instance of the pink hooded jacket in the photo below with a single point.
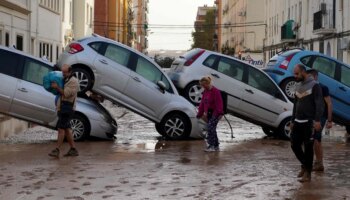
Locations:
(211, 99)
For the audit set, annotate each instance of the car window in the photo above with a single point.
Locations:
(95, 46)
(345, 75)
(306, 60)
(210, 61)
(150, 72)
(8, 62)
(118, 54)
(260, 81)
(231, 68)
(35, 71)
(325, 66)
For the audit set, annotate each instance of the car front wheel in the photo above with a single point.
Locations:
(193, 93)
(284, 128)
(84, 78)
(80, 127)
(174, 126)
(289, 86)
(268, 131)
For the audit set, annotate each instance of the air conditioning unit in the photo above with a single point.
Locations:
(344, 44)
(324, 8)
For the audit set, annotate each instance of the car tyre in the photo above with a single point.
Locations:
(268, 131)
(284, 129)
(84, 78)
(288, 87)
(193, 93)
(80, 127)
(174, 126)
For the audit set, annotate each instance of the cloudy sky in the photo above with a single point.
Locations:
(172, 12)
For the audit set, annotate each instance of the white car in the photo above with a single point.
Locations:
(127, 77)
(251, 94)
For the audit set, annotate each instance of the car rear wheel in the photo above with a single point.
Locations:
(80, 127)
(84, 78)
(289, 86)
(193, 93)
(268, 131)
(284, 129)
(174, 126)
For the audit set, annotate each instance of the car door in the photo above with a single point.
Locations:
(31, 100)
(228, 76)
(142, 89)
(262, 100)
(111, 65)
(326, 76)
(9, 63)
(342, 95)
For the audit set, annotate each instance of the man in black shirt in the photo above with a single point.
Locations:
(307, 113)
(326, 119)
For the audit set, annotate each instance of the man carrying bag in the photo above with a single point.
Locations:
(65, 110)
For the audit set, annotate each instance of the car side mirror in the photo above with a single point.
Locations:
(161, 86)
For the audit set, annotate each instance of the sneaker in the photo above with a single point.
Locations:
(302, 172)
(72, 152)
(55, 153)
(210, 149)
(318, 167)
(306, 178)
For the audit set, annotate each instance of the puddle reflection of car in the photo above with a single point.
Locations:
(23, 96)
(133, 80)
(251, 94)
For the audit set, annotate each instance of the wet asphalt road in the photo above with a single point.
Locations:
(140, 165)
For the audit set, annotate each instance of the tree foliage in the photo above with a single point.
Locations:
(164, 62)
(203, 37)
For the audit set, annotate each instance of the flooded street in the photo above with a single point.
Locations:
(141, 165)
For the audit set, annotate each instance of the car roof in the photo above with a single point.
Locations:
(13, 50)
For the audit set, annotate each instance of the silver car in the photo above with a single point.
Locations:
(251, 94)
(127, 77)
(23, 96)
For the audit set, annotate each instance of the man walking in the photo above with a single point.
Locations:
(307, 113)
(65, 110)
(326, 119)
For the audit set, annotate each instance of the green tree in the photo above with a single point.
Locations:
(203, 37)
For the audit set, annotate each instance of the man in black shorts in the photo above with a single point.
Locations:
(65, 110)
(326, 120)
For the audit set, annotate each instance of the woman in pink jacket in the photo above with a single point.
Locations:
(211, 111)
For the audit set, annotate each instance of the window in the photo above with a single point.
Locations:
(260, 81)
(306, 60)
(34, 71)
(45, 49)
(117, 54)
(325, 66)
(95, 46)
(19, 42)
(210, 61)
(8, 62)
(150, 72)
(231, 68)
(345, 75)
(7, 39)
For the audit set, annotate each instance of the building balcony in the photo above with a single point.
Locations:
(287, 32)
(324, 23)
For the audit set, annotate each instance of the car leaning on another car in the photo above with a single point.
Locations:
(23, 96)
(133, 80)
(251, 94)
(332, 73)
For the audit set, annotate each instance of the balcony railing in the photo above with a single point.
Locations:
(324, 23)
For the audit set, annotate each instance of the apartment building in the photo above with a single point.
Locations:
(140, 25)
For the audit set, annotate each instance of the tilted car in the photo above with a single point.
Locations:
(251, 94)
(332, 73)
(23, 96)
(127, 77)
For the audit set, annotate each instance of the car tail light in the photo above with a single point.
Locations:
(194, 58)
(75, 48)
(285, 63)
